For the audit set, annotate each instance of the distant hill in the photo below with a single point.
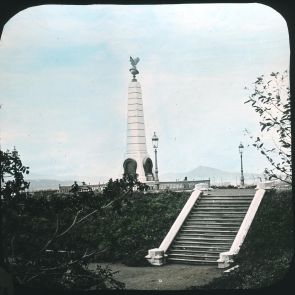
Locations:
(216, 175)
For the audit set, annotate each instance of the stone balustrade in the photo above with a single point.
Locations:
(226, 258)
(157, 256)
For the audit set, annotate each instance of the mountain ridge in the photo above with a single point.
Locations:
(215, 175)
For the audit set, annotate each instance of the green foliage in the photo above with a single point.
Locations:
(40, 233)
(50, 241)
(52, 238)
(265, 256)
(12, 174)
(75, 188)
(126, 185)
(271, 101)
(140, 225)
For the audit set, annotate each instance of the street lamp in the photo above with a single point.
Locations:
(155, 141)
(241, 147)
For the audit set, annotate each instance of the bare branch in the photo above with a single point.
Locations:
(73, 223)
(33, 277)
(53, 236)
(86, 216)
(12, 246)
(66, 265)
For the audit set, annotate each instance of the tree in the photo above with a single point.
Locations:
(12, 183)
(271, 101)
(74, 188)
(121, 190)
(12, 174)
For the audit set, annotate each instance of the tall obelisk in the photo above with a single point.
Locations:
(137, 161)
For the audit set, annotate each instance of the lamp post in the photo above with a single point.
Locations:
(241, 147)
(155, 141)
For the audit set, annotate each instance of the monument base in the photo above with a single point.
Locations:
(156, 257)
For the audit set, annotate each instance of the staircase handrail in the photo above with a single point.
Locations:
(226, 257)
(157, 256)
(180, 220)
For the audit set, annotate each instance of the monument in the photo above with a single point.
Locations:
(137, 161)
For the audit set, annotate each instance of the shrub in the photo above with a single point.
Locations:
(52, 237)
(50, 240)
(140, 226)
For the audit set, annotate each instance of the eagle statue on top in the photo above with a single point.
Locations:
(133, 70)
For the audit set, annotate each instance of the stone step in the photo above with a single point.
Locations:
(214, 226)
(226, 195)
(213, 201)
(210, 221)
(208, 249)
(209, 231)
(217, 215)
(219, 207)
(205, 235)
(229, 198)
(214, 211)
(214, 240)
(205, 247)
(209, 239)
(192, 261)
(215, 232)
(203, 242)
(216, 218)
(207, 221)
(192, 251)
(229, 222)
(193, 256)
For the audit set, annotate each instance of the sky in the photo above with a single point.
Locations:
(64, 74)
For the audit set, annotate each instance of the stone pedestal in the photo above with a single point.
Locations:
(225, 260)
(156, 257)
(266, 185)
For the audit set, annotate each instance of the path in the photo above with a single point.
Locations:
(167, 277)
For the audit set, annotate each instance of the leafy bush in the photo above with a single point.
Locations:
(140, 225)
(50, 241)
(52, 237)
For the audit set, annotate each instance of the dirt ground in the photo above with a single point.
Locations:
(166, 277)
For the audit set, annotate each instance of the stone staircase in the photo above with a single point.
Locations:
(209, 229)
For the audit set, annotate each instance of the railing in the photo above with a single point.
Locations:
(181, 185)
(226, 258)
(157, 256)
(161, 186)
(82, 188)
(180, 220)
